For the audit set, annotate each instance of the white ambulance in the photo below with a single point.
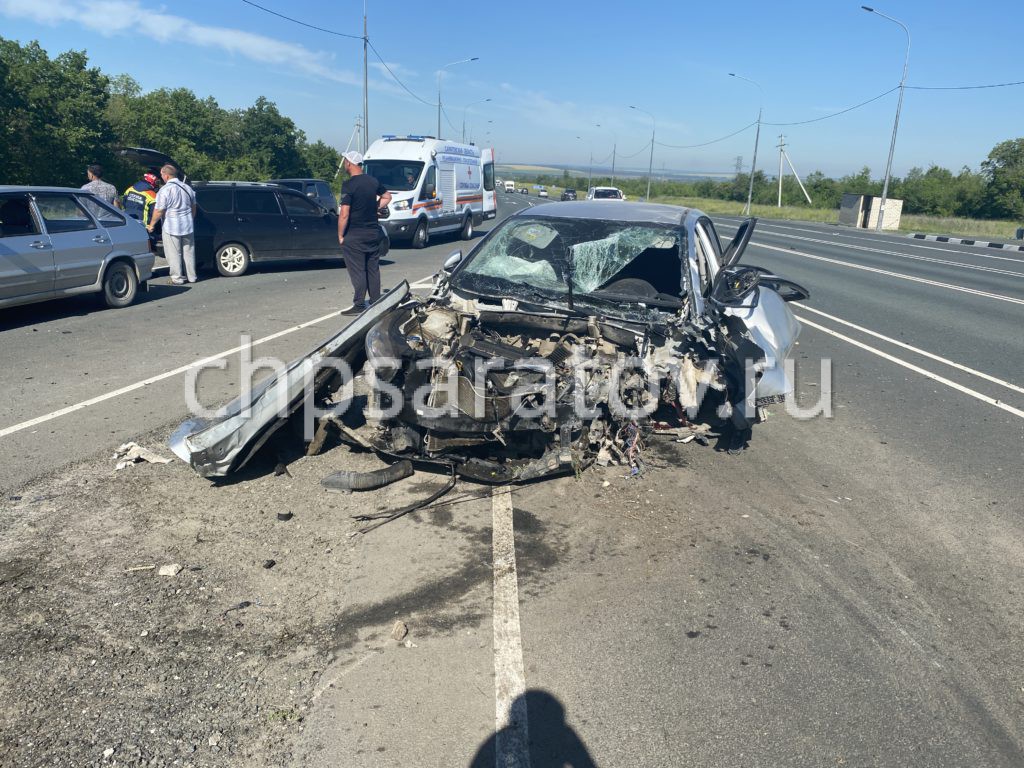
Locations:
(436, 186)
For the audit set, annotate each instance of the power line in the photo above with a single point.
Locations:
(840, 112)
(301, 23)
(395, 77)
(448, 119)
(342, 34)
(642, 149)
(706, 143)
(961, 87)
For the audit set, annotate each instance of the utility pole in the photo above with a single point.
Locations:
(896, 123)
(784, 154)
(757, 139)
(614, 147)
(366, 80)
(782, 151)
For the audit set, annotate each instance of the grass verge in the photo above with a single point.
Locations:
(998, 229)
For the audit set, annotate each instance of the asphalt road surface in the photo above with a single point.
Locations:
(847, 591)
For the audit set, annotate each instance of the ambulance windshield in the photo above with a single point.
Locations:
(396, 175)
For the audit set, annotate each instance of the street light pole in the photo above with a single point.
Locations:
(896, 123)
(650, 164)
(757, 139)
(366, 97)
(439, 73)
(481, 101)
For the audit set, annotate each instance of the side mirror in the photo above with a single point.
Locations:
(452, 261)
(733, 286)
(430, 191)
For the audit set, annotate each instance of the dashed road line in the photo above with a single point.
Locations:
(168, 374)
(900, 275)
(911, 256)
(510, 715)
(916, 350)
(917, 369)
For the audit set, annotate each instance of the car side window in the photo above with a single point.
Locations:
(429, 184)
(105, 214)
(324, 191)
(256, 201)
(16, 219)
(299, 206)
(62, 213)
(214, 200)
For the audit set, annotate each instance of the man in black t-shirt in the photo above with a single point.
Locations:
(358, 231)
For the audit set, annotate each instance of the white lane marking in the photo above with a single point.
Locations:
(897, 242)
(917, 350)
(165, 375)
(901, 255)
(153, 379)
(510, 716)
(900, 275)
(917, 369)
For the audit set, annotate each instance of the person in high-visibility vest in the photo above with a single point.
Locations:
(138, 200)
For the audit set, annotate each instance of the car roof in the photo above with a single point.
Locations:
(273, 181)
(641, 213)
(28, 188)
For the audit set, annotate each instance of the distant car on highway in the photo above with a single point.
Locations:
(57, 242)
(238, 223)
(524, 191)
(568, 194)
(316, 190)
(542, 192)
(605, 193)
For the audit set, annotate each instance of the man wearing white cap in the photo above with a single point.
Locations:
(358, 231)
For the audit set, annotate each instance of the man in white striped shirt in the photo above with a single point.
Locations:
(176, 205)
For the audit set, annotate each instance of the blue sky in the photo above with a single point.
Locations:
(555, 70)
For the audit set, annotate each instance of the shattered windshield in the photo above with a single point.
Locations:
(603, 257)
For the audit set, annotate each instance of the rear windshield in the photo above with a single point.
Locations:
(613, 194)
(395, 175)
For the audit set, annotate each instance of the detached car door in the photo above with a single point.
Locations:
(80, 245)
(26, 256)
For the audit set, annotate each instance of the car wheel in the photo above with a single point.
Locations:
(120, 285)
(232, 260)
(467, 228)
(421, 236)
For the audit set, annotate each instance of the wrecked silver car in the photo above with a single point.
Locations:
(566, 336)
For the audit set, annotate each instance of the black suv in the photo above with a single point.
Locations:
(240, 222)
(568, 194)
(317, 190)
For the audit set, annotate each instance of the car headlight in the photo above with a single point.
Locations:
(401, 205)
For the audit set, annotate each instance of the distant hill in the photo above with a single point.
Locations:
(516, 170)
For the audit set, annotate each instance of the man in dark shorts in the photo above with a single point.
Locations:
(358, 231)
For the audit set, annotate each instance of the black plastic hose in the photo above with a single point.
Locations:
(367, 481)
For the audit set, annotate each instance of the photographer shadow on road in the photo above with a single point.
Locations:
(552, 741)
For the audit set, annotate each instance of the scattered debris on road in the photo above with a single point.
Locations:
(170, 570)
(133, 453)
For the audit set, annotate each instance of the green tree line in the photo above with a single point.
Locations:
(994, 192)
(59, 115)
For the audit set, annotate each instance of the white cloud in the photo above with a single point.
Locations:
(116, 17)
